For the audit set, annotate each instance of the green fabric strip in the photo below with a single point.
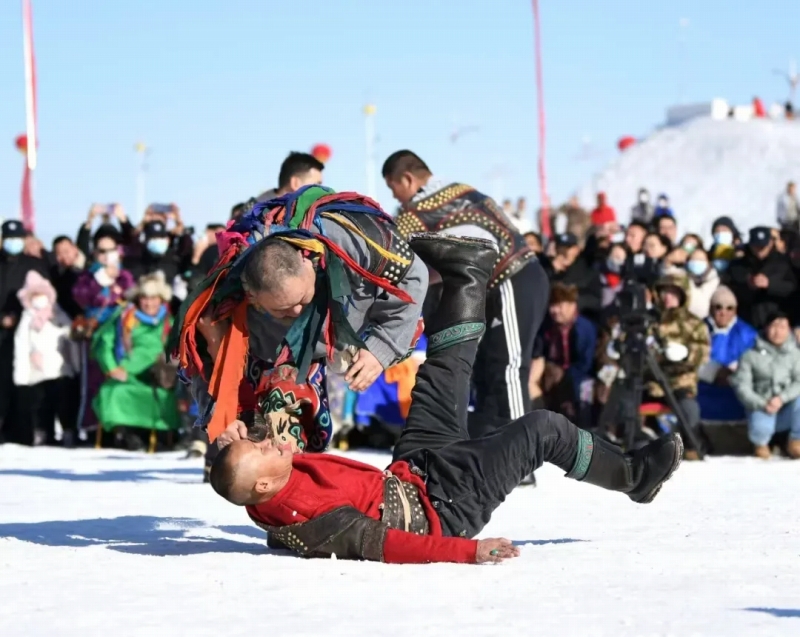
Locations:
(304, 202)
(453, 335)
(584, 456)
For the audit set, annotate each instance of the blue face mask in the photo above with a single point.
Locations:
(14, 245)
(696, 267)
(158, 246)
(720, 265)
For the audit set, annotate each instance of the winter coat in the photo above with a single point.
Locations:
(766, 371)
(94, 292)
(57, 355)
(13, 270)
(755, 304)
(678, 325)
(135, 343)
(64, 280)
(727, 347)
(587, 280)
(642, 212)
(572, 350)
(700, 291)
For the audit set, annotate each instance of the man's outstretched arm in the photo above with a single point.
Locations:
(349, 534)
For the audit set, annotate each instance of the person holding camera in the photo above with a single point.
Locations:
(684, 346)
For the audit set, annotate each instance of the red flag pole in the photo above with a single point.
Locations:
(28, 219)
(544, 197)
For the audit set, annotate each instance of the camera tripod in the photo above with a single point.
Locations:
(625, 397)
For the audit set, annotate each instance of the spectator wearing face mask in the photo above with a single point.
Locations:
(70, 262)
(612, 272)
(690, 243)
(762, 279)
(662, 207)
(158, 255)
(105, 212)
(703, 282)
(730, 338)
(726, 241)
(569, 269)
(14, 267)
(99, 289)
(45, 363)
(643, 210)
(767, 382)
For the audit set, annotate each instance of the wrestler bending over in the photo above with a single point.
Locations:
(441, 487)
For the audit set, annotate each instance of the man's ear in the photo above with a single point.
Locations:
(261, 487)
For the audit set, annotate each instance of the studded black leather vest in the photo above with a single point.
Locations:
(459, 205)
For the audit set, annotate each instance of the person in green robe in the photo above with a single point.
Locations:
(138, 390)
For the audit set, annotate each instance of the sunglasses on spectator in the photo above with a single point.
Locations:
(107, 251)
(730, 308)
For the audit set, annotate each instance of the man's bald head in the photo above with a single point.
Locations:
(247, 472)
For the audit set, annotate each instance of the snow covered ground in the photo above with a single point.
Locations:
(111, 543)
(709, 168)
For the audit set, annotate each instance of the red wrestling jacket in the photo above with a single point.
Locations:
(335, 505)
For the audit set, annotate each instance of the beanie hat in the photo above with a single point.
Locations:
(723, 295)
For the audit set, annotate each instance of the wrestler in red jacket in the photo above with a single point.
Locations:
(442, 487)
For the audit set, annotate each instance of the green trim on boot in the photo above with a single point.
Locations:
(584, 456)
(455, 334)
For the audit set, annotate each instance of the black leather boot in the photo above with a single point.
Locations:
(465, 265)
(639, 474)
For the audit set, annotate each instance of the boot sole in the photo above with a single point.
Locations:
(676, 462)
(481, 243)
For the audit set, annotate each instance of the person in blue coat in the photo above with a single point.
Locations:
(663, 208)
(730, 338)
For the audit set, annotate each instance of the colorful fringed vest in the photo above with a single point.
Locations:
(294, 218)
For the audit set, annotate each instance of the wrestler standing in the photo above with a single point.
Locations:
(518, 289)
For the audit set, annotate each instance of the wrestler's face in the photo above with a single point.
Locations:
(404, 187)
(288, 302)
(259, 465)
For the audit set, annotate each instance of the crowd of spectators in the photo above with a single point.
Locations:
(100, 307)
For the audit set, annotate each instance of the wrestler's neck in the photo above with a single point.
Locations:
(276, 485)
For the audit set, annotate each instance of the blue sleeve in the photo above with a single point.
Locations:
(582, 365)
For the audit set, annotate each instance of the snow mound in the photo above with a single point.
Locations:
(708, 168)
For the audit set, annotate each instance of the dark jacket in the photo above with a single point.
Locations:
(590, 287)
(756, 304)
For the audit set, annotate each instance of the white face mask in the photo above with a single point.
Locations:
(724, 238)
(39, 302)
(112, 258)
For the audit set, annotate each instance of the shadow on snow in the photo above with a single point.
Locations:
(777, 612)
(114, 475)
(140, 535)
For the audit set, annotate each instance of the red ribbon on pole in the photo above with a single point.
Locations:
(544, 197)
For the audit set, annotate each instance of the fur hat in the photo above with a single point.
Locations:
(723, 295)
(561, 293)
(154, 284)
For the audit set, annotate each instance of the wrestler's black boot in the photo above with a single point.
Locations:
(465, 265)
(640, 474)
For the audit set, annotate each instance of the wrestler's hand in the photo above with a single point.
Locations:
(364, 371)
(495, 550)
(237, 430)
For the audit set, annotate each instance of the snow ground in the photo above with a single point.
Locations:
(107, 542)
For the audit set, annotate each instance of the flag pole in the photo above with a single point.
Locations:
(544, 197)
(30, 83)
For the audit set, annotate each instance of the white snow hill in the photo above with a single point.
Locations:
(708, 168)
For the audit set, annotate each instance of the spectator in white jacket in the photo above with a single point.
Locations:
(45, 359)
(703, 282)
(789, 209)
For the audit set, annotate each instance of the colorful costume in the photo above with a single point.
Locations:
(306, 219)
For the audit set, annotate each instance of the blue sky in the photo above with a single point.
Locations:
(221, 91)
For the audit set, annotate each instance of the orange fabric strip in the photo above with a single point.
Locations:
(405, 375)
(228, 372)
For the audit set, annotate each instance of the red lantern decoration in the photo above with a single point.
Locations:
(21, 142)
(321, 152)
(626, 142)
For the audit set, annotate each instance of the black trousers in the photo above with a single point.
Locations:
(467, 479)
(37, 407)
(515, 310)
(6, 377)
